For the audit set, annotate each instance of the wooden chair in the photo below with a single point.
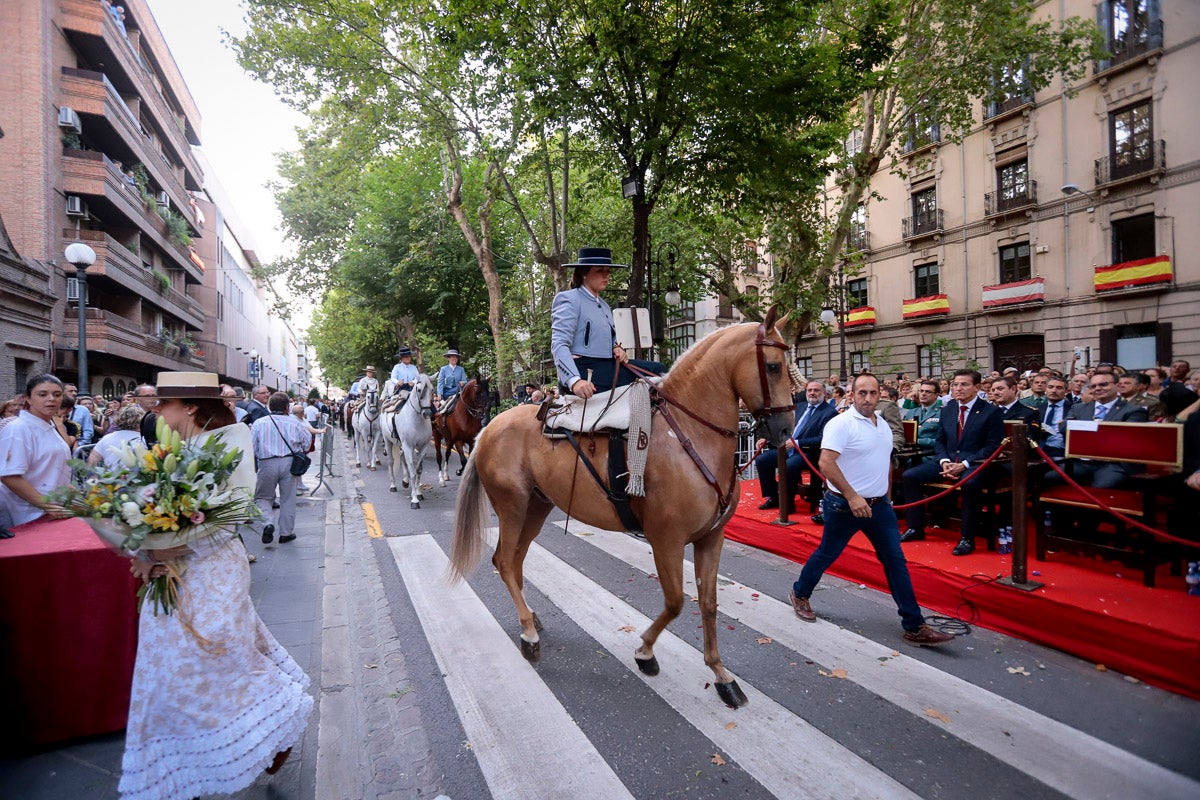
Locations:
(1158, 448)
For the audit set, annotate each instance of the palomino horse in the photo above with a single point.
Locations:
(460, 428)
(691, 480)
(367, 433)
(406, 432)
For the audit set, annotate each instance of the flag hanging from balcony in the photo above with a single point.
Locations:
(195, 258)
(1010, 294)
(934, 305)
(1144, 272)
(864, 315)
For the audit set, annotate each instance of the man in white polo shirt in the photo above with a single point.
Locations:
(856, 460)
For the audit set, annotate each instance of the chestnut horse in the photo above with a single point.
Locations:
(460, 428)
(689, 495)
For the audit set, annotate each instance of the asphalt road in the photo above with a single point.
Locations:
(838, 709)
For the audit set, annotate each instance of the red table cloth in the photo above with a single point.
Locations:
(68, 635)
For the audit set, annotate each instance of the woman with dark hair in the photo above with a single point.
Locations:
(35, 455)
(127, 427)
(208, 719)
(583, 335)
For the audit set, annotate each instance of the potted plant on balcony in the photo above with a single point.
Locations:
(164, 282)
(186, 345)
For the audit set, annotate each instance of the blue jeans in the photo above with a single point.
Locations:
(883, 531)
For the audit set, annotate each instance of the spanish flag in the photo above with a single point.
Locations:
(195, 258)
(1144, 272)
(864, 315)
(934, 305)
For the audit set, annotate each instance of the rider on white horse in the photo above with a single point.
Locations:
(368, 383)
(404, 373)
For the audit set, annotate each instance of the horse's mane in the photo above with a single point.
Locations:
(698, 348)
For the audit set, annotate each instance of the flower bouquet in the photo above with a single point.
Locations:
(161, 497)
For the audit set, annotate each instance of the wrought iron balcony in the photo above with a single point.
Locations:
(1117, 167)
(1133, 47)
(922, 224)
(859, 239)
(1000, 108)
(918, 139)
(1004, 201)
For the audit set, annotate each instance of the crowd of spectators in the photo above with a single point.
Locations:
(960, 423)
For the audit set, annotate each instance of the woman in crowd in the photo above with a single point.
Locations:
(298, 413)
(207, 718)
(128, 426)
(35, 454)
(1157, 376)
(583, 335)
(840, 401)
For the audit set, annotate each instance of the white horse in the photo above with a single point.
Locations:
(367, 432)
(407, 431)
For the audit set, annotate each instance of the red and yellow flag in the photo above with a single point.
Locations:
(933, 305)
(863, 315)
(1144, 272)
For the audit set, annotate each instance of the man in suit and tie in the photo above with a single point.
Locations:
(1005, 397)
(1106, 406)
(810, 425)
(971, 430)
(257, 407)
(1058, 403)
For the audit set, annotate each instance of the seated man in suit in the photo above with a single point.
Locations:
(1107, 406)
(971, 430)
(810, 424)
(1058, 403)
(1005, 396)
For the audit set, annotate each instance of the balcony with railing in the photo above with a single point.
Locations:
(1005, 201)
(925, 223)
(996, 110)
(1131, 48)
(917, 140)
(1120, 167)
(859, 239)
(93, 175)
(110, 333)
(92, 93)
(96, 36)
(124, 268)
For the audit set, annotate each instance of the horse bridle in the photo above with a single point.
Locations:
(661, 403)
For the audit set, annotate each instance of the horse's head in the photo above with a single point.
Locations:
(762, 379)
(372, 401)
(421, 397)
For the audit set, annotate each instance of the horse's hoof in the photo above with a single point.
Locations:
(358, 464)
(537, 622)
(393, 489)
(460, 472)
(404, 484)
(372, 468)
(414, 504)
(531, 650)
(420, 496)
(731, 694)
(649, 666)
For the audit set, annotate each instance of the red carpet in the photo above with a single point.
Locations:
(1096, 610)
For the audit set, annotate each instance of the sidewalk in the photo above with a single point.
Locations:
(287, 585)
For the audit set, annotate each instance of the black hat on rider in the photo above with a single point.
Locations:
(402, 352)
(591, 257)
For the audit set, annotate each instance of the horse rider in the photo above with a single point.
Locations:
(368, 383)
(450, 380)
(404, 373)
(583, 335)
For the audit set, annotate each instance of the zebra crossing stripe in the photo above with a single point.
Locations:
(510, 732)
(1071, 761)
(764, 728)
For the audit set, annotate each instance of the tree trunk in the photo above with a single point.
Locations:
(641, 234)
(481, 245)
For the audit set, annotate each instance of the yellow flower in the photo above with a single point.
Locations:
(149, 461)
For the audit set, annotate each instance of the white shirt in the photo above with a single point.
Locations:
(33, 448)
(864, 450)
(1108, 407)
(311, 415)
(111, 445)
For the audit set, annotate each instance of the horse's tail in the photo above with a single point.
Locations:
(469, 514)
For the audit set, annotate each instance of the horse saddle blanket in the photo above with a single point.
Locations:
(394, 402)
(621, 409)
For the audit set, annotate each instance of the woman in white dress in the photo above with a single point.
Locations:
(208, 718)
(127, 429)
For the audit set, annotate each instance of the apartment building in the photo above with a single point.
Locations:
(1064, 222)
(100, 149)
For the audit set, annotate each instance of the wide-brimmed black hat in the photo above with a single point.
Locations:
(402, 352)
(596, 257)
(452, 352)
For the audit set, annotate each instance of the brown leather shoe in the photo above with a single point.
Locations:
(802, 608)
(926, 636)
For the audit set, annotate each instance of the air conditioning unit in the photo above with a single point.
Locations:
(72, 290)
(76, 206)
(69, 120)
(164, 199)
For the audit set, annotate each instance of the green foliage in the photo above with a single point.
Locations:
(314, 393)
(348, 336)
(164, 282)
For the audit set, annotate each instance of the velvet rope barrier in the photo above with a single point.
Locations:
(1102, 506)
(929, 499)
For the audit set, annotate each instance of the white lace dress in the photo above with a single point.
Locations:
(203, 723)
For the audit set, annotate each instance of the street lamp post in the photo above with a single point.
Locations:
(82, 257)
(256, 375)
(829, 316)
